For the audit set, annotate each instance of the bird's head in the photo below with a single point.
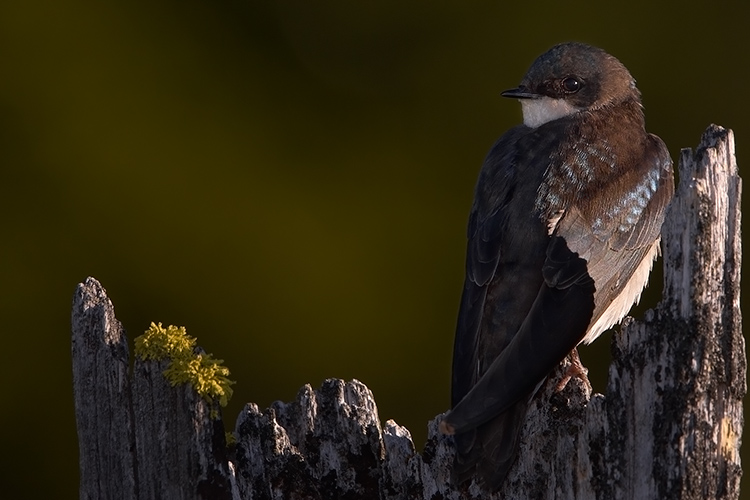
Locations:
(569, 78)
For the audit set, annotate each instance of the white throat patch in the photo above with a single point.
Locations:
(539, 111)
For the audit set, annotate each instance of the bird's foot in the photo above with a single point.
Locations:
(446, 428)
(576, 369)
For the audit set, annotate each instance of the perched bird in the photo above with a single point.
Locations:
(563, 232)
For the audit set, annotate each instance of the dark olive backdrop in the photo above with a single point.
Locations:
(288, 180)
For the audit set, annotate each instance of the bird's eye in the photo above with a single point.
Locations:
(572, 84)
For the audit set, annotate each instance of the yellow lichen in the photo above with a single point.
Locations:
(205, 374)
(159, 343)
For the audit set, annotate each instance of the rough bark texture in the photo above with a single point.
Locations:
(669, 426)
(676, 384)
(101, 389)
(139, 437)
(181, 451)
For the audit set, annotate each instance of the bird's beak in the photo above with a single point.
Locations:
(520, 93)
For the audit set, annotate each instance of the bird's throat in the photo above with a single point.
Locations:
(539, 111)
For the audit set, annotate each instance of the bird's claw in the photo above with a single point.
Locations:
(576, 369)
(446, 428)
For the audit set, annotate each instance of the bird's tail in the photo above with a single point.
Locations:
(490, 449)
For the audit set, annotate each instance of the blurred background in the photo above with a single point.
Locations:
(289, 180)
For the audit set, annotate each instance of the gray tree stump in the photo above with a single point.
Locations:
(670, 425)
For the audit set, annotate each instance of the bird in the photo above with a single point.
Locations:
(562, 235)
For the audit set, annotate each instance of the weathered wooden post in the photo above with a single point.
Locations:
(670, 425)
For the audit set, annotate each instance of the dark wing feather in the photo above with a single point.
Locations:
(487, 221)
(506, 249)
(533, 352)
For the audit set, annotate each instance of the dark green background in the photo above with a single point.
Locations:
(288, 180)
